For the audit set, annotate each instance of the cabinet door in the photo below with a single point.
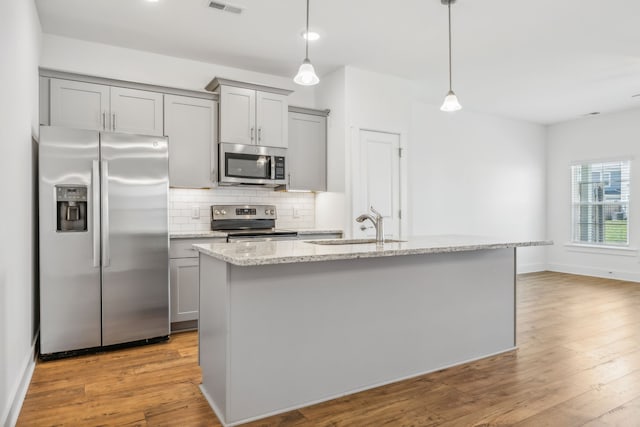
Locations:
(271, 118)
(237, 115)
(190, 125)
(79, 105)
(184, 277)
(307, 152)
(136, 111)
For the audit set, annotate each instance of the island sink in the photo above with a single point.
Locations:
(351, 241)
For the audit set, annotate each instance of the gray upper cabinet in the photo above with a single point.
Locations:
(307, 153)
(237, 115)
(190, 126)
(136, 111)
(271, 119)
(93, 106)
(79, 105)
(252, 114)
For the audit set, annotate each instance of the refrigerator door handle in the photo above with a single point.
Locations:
(95, 206)
(106, 257)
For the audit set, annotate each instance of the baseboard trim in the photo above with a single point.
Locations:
(531, 268)
(17, 397)
(630, 276)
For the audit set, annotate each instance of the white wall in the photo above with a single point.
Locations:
(608, 136)
(101, 60)
(478, 174)
(464, 173)
(330, 206)
(19, 52)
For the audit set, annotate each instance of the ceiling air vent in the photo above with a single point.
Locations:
(225, 7)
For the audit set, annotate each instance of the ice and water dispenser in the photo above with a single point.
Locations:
(71, 208)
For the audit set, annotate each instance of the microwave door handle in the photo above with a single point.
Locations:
(273, 167)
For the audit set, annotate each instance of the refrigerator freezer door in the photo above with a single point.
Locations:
(69, 277)
(135, 244)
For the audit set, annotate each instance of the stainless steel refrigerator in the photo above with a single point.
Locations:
(104, 239)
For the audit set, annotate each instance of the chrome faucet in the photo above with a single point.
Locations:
(377, 221)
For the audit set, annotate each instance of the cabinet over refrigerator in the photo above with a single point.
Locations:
(103, 240)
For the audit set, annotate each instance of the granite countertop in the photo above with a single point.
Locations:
(293, 251)
(211, 234)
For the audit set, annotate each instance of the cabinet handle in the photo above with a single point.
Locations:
(252, 132)
(113, 125)
(259, 134)
(289, 176)
(104, 121)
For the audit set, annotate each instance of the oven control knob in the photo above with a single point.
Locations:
(223, 212)
(272, 212)
(266, 211)
(216, 212)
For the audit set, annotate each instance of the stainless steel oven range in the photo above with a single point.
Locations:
(248, 223)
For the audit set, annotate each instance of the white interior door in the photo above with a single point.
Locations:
(377, 182)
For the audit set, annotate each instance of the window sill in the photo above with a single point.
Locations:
(602, 249)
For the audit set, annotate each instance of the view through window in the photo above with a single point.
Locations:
(600, 198)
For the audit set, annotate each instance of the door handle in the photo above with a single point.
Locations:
(252, 132)
(104, 121)
(259, 134)
(113, 122)
(95, 206)
(106, 249)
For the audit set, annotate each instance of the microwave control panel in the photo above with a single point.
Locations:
(279, 167)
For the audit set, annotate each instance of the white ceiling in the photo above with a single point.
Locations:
(539, 60)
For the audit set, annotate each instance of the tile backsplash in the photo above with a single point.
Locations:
(183, 201)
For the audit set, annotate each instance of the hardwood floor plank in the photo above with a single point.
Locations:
(577, 363)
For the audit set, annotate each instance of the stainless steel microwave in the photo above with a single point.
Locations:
(252, 164)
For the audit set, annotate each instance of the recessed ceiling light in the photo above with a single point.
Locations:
(313, 36)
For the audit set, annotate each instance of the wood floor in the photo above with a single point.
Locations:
(578, 363)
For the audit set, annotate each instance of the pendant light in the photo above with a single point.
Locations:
(450, 103)
(306, 74)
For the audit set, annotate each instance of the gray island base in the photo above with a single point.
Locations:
(279, 331)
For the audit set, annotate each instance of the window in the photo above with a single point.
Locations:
(600, 203)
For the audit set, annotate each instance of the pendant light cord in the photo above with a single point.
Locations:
(307, 34)
(450, 78)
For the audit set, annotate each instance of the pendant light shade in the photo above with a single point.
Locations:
(451, 102)
(306, 73)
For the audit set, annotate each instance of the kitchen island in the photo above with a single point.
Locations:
(286, 324)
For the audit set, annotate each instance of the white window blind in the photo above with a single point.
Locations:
(600, 202)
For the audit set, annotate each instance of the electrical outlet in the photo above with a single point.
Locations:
(296, 212)
(195, 212)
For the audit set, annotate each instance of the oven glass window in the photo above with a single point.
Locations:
(248, 166)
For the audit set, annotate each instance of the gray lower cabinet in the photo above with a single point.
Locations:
(190, 126)
(307, 153)
(185, 282)
(184, 289)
